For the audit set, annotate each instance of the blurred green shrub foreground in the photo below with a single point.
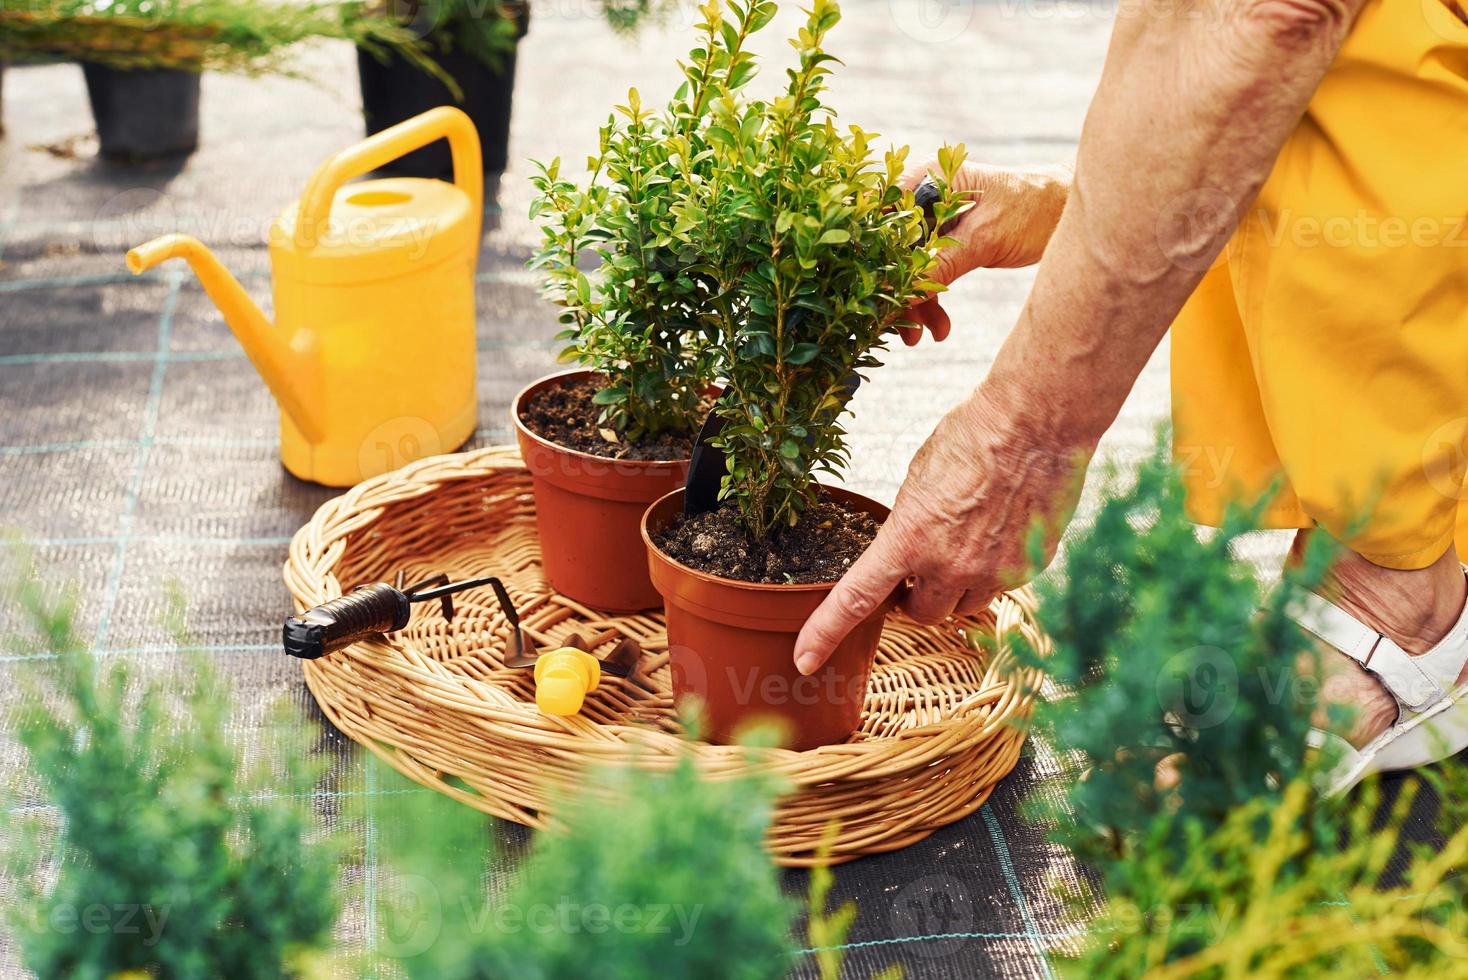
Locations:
(1222, 863)
(1191, 693)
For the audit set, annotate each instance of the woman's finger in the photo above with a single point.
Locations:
(866, 584)
(937, 319)
(916, 323)
(931, 602)
(973, 603)
(927, 315)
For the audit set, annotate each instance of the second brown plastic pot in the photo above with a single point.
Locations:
(588, 510)
(732, 646)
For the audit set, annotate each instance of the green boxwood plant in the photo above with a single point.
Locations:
(813, 253)
(639, 320)
(745, 239)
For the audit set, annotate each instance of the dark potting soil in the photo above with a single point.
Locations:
(566, 415)
(829, 537)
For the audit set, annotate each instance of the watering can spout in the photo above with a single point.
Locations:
(280, 364)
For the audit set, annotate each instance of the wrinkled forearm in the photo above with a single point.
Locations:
(1193, 106)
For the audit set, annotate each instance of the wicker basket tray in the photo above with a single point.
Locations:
(942, 724)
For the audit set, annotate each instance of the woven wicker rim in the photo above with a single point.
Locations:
(944, 720)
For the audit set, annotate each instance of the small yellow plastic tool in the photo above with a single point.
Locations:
(563, 678)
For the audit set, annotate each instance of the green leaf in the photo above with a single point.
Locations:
(803, 353)
(610, 396)
(834, 236)
(790, 449)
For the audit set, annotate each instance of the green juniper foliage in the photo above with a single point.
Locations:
(1174, 651)
(486, 30)
(202, 867)
(219, 35)
(826, 929)
(638, 322)
(812, 253)
(1225, 862)
(648, 874)
(1269, 893)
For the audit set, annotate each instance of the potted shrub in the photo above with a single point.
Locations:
(473, 44)
(605, 441)
(142, 59)
(143, 113)
(813, 253)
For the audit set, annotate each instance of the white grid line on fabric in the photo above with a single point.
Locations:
(140, 462)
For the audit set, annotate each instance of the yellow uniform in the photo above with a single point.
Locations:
(1326, 352)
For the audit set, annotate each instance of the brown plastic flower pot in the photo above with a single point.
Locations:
(732, 646)
(588, 510)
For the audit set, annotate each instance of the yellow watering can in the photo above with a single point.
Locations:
(372, 355)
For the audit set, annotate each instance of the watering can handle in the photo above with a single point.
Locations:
(444, 122)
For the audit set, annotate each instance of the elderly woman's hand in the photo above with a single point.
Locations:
(989, 472)
(1014, 215)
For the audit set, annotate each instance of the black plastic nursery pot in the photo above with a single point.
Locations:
(143, 114)
(395, 89)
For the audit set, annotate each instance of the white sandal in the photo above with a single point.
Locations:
(1432, 707)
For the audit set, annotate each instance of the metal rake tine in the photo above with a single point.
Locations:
(442, 578)
(524, 646)
(445, 599)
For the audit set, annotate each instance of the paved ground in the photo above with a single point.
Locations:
(137, 446)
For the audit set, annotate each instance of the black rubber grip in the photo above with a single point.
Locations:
(366, 610)
(925, 196)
